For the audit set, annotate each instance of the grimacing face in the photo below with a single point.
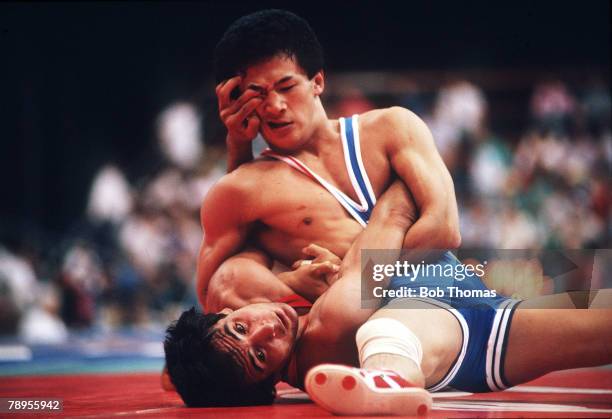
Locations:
(259, 337)
(290, 98)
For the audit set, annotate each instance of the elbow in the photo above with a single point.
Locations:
(454, 239)
(448, 236)
(451, 231)
(451, 237)
(201, 290)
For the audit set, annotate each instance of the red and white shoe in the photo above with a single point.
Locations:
(357, 392)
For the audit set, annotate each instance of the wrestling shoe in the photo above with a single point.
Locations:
(358, 392)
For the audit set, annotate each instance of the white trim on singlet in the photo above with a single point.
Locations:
(349, 205)
(495, 345)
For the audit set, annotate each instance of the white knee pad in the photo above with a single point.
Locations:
(387, 336)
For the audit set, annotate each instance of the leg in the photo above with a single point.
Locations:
(400, 351)
(545, 340)
(352, 391)
(439, 333)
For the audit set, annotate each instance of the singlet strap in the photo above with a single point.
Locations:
(354, 165)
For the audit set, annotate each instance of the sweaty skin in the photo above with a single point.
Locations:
(544, 339)
(281, 210)
(327, 332)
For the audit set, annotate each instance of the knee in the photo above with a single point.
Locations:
(436, 353)
(385, 335)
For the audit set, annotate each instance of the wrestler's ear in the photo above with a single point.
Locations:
(318, 83)
(226, 311)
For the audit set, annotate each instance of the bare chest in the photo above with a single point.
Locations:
(296, 211)
(300, 205)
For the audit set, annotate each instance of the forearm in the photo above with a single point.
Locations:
(243, 280)
(310, 290)
(415, 159)
(210, 259)
(237, 153)
(394, 214)
(386, 230)
(204, 272)
(433, 232)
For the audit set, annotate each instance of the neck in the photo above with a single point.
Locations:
(302, 323)
(288, 372)
(326, 131)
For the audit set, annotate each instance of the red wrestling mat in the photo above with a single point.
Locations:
(571, 394)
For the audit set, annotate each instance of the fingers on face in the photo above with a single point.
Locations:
(224, 89)
(252, 126)
(241, 108)
(235, 116)
(248, 105)
(243, 100)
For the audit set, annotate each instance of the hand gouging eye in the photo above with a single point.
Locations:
(238, 115)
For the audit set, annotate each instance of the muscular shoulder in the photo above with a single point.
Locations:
(398, 127)
(241, 182)
(229, 197)
(392, 125)
(394, 120)
(237, 193)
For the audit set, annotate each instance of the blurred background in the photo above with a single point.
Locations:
(109, 138)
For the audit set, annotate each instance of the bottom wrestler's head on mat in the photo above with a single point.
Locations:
(231, 358)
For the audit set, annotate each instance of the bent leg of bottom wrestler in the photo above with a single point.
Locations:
(435, 330)
(400, 350)
(543, 340)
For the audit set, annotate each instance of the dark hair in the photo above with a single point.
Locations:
(202, 374)
(261, 35)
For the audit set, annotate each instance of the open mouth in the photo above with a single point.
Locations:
(278, 125)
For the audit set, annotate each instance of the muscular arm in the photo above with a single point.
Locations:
(386, 229)
(414, 157)
(225, 229)
(245, 279)
(237, 153)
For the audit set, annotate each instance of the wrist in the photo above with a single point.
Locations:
(237, 144)
(238, 152)
(285, 277)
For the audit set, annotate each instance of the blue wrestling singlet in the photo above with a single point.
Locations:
(485, 321)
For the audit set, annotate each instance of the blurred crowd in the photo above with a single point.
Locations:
(549, 188)
(544, 184)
